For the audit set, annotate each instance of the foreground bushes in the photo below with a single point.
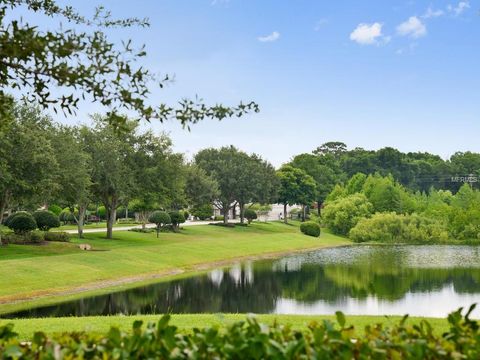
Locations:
(310, 228)
(251, 340)
(397, 228)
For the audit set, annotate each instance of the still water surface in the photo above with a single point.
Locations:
(362, 280)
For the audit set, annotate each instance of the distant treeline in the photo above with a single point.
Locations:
(332, 163)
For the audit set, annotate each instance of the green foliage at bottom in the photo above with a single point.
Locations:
(252, 340)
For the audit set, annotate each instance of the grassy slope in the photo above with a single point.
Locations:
(40, 271)
(101, 324)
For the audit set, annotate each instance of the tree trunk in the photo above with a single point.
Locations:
(226, 207)
(3, 205)
(242, 211)
(319, 208)
(111, 217)
(82, 210)
(285, 220)
(303, 213)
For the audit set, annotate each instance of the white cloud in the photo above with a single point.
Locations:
(274, 36)
(369, 34)
(413, 27)
(459, 8)
(216, 2)
(431, 13)
(320, 23)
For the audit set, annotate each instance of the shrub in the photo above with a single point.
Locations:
(344, 213)
(398, 228)
(55, 209)
(159, 218)
(203, 212)
(57, 236)
(27, 238)
(46, 220)
(310, 228)
(176, 218)
(8, 219)
(34, 237)
(186, 214)
(250, 215)
(22, 223)
(218, 218)
(251, 340)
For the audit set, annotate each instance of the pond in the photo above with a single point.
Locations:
(358, 280)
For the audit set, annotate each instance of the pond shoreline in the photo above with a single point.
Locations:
(13, 304)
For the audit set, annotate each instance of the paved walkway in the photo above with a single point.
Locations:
(126, 228)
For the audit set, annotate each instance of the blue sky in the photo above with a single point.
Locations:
(368, 73)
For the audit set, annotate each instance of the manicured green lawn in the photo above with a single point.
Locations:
(38, 273)
(101, 324)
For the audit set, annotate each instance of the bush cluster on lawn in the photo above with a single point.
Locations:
(23, 225)
(310, 228)
(398, 228)
(252, 340)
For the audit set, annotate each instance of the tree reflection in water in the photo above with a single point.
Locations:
(332, 276)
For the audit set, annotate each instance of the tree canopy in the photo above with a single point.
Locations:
(61, 68)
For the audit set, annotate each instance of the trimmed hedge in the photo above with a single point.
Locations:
(310, 228)
(56, 236)
(252, 340)
(32, 237)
